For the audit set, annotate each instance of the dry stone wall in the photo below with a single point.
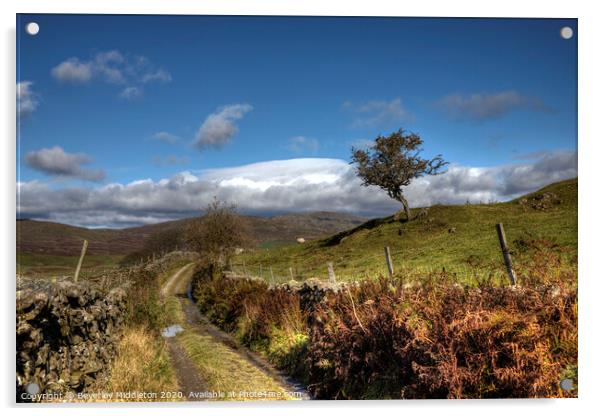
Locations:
(66, 335)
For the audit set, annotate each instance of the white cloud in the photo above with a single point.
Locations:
(220, 126)
(27, 99)
(300, 144)
(377, 113)
(73, 71)
(159, 75)
(166, 137)
(112, 67)
(170, 160)
(487, 105)
(296, 185)
(130, 93)
(55, 161)
(109, 57)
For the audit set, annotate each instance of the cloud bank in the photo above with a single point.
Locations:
(296, 185)
(220, 126)
(55, 161)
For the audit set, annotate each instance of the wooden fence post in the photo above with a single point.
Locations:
(81, 260)
(389, 262)
(290, 269)
(505, 252)
(331, 276)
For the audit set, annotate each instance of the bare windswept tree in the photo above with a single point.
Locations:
(218, 233)
(392, 162)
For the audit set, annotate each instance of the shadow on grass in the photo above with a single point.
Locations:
(368, 225)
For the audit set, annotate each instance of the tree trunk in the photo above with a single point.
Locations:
(406, 209)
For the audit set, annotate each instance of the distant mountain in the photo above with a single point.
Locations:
(44, 237)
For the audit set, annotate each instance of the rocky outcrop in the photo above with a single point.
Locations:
(66, 334)
(540, 202)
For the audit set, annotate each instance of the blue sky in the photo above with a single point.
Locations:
(126, 98)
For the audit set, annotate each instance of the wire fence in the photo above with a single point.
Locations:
(365, 266)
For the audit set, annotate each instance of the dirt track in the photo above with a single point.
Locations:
(187, 373)
(177, 284)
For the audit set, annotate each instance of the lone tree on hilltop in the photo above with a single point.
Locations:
(392, 162)
(218, 233)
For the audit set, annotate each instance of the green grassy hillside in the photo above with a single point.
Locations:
(460, 238)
